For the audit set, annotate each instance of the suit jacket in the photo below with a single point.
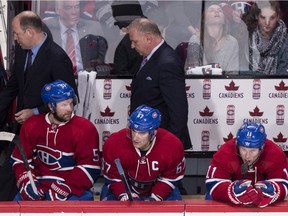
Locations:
(161, 84)
(51, 63)
(84, 28)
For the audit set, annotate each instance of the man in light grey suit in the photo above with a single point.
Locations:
(69, 18)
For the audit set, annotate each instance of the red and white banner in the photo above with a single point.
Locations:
(217, 108)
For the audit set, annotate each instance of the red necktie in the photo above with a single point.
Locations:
(70, 48)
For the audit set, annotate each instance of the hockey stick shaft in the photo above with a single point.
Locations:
(124, 179)
(11, 137)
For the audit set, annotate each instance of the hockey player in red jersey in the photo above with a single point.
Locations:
(152, 159)
(248, 170)
(62, 150)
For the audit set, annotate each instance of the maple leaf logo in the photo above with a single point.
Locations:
(206, 112)
(229, 137)
(107, 113)
(281, 87)
(280, 138)
(128, 88)
(232, 87)
(256, 112)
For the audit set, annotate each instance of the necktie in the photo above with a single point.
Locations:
(144, 61)
(70, 48)
(28, 63)
(29, 60)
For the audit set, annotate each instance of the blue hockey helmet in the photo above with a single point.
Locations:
(251, 135)
(145, 119)
(55, 92)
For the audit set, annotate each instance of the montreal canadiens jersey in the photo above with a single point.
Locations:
(67, 152)
(225, 168)
(157, 172)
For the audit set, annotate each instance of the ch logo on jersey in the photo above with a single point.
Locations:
(49, 156)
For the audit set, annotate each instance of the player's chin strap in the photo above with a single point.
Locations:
(245, 167)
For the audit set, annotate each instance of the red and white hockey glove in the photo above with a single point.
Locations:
(242, 192)
(124, 197)
(59, 191)
(270, 191)
(26, 190)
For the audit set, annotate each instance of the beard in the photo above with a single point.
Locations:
(60, 118)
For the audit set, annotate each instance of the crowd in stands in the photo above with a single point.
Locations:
(242, 37)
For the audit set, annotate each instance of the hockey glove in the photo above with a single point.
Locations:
(242, 192)
(59, 191)
(26, 190)
(270, 191)
(124, 197)
(155, 197)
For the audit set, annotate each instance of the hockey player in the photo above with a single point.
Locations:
(152, 159)
(248, 169)
(62, 150)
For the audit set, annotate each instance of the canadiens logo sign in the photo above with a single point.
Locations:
(206, 115)
(231, 88)
(256, 115)
(281, 140)
(126, 94)
(280, 110)
(282, 91)
(189, 94)
(106, 115)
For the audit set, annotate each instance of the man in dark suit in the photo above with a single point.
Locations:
(160, 83)
(69, 18)
(49, 62)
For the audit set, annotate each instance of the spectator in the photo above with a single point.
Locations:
(160, 83)
(69, 21)
(268, 42)
(182, 20)
(155, 164)
(62, 150)
(218, 46)
(248, 169)
(49, 62)
(238, 11)
(126, 59)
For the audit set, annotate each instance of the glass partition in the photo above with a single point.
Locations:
(211, 37)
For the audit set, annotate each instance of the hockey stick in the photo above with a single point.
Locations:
(11, 137)
(124, 179)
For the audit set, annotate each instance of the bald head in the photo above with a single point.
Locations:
(27, 29)
(144, 35)
(29, 19)
(145, 25)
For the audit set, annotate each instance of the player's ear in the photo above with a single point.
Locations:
(155, 132)
(50, 108)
